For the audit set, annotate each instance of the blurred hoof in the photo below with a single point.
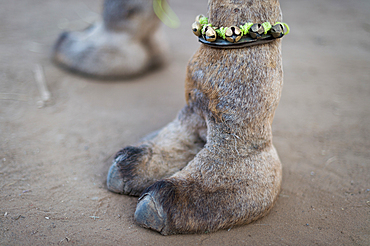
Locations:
(102, 53)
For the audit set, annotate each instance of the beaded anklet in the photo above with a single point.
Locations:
(236, 37)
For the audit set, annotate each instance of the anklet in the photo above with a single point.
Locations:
(237, 37)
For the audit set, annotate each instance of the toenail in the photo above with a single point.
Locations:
(114, 181)
(147, 214)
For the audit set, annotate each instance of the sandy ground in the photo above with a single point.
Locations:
(54, 159)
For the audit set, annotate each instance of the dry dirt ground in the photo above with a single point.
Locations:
(54, 158)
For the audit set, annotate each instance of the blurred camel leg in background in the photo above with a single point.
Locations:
(127, 41)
